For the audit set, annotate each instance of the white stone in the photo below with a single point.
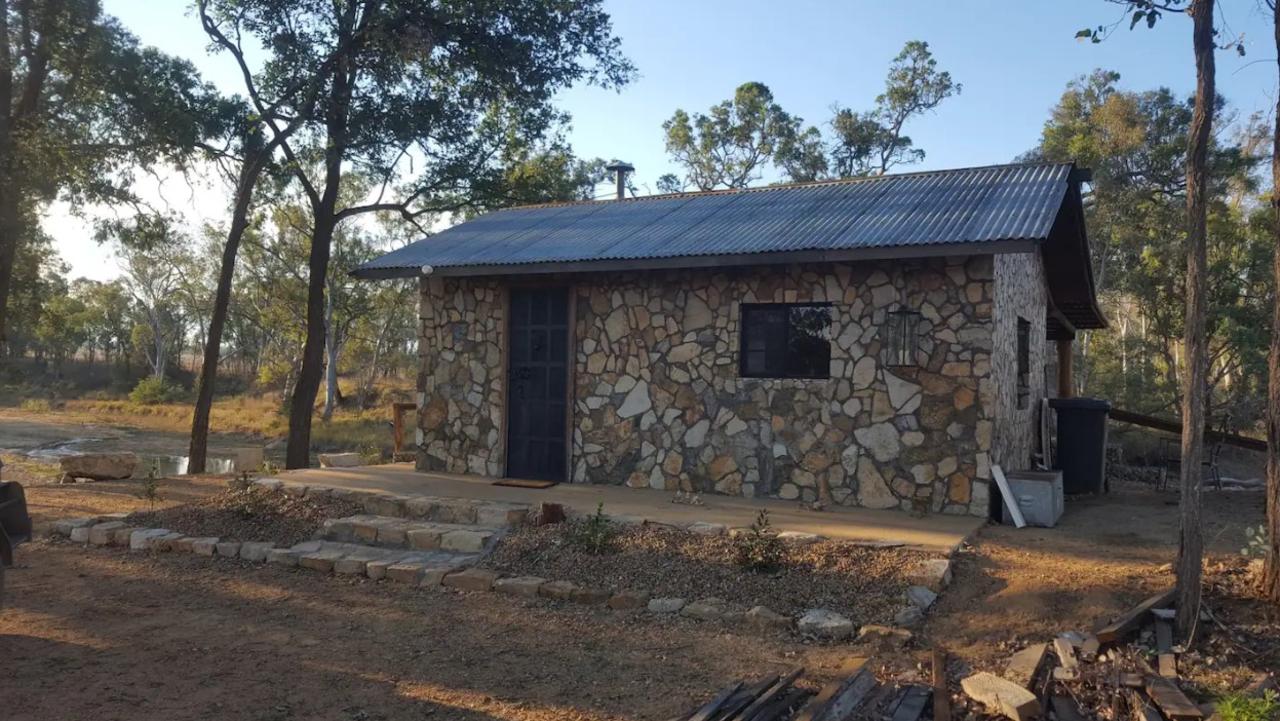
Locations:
(340, 460)
(864, 372)
(141, 539)
(873, 492)
(909, 617)
(824, 624)
(636, 402)
(624, 384)
(697, 434)
(933, 573)
(900, 391)
(704, 528)
(881, 439)
(849, 459)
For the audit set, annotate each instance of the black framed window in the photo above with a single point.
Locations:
(785, 340)
(1024, 362)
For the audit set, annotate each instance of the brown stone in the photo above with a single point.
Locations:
(721, 466)
(629, 600)
(673, 463)
(959, 488)
(963, 398)
(472, 579)
(816, 461)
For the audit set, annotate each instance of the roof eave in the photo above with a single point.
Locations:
(711, 261)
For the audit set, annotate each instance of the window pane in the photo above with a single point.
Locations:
(786, 340)
(808, 347)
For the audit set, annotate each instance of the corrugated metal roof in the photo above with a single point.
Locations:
(913, 210)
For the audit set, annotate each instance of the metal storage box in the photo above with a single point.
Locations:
(1039, 497)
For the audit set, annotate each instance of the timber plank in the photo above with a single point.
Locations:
(911, 703)
(710, 708)
(941, 696)
(1170, 699)
(848, 672)
(778, 688)
(1131, 619)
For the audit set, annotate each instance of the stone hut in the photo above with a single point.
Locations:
(877, 342)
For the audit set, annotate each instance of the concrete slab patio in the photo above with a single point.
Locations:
(937, 533)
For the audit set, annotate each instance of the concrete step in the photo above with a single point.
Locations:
(394, 532)
(355, 559)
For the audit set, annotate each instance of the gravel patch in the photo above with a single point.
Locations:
(253, 514)
(865, 584)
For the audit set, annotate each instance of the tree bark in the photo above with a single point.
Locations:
(1191, 541)
(302, 406)
(197, 452)
(1271, 568)
(331, 360)
(10, 228)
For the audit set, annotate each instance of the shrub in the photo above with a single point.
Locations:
(594, 534)
(151, 391)
(1241, 707)
(150, 491)
(759, 549)
(36, 405)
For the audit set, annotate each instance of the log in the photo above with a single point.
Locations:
(1171, 701)
(1001, 696)
(710, 708)
(778, 688)
(1024, 665)
(1131, 619)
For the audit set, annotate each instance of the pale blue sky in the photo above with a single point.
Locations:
(1013, 58)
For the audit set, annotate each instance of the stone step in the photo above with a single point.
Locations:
(441, 509)
(355, 559)
(395, 532)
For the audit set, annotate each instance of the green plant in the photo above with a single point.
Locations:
(153, 391)
(594, 534)
(1255, 542)
(150, 491)
(36, 405)
(1244, 707)
(371, 454)
(759, 549)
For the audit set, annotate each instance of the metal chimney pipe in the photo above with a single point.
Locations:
(620, 170)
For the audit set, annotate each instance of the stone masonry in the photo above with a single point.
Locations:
(658, 400)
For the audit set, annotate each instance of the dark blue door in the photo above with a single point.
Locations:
(537, 389)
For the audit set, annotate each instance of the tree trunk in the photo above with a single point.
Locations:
(331, 360)
(1271, 569)
(198, 451)
(298, 453)
(1191, 541)
(9, 232)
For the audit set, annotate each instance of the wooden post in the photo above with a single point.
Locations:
(1064, 368)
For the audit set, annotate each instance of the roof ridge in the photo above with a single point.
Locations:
(788, 186)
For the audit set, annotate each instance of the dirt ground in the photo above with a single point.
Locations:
(111, 635)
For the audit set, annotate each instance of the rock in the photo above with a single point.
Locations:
(766, 619)
(1001, 696)
(377, 570)
(864, 372)
(702, 528)
(80, 534)
(884, 635)
(697, 433)
(204, 546)
(465, 540)
(434, 577)
(824, 624)
(340, 460)
(590, 595)
(99, 466)
(282, 557)
(321, 561)
(255, 551)
(557, 590)
(628, 600)
(122, 536)
(102, 533)
(921, 597)
(227, 549)
(800, 538)
(934, 574)
(665, 605)
(411, 573)
(636, 402)
(143, 538)
(881, 440)
(472, 579)
(65, 526)
(706, 609)
(909, 617)
(873, 492)
(524, 586)
(351, 565)
(165, 543)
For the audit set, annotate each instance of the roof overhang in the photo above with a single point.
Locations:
(936, 250)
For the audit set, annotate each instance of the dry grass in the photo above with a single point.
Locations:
(249, 514)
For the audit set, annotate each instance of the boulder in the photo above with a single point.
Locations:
(921, 597)
(665, 605)
(1001, 696)
(934, 574)
(99, 466)
(340, 460)
(824, 624)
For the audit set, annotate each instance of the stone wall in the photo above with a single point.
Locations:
(1020, 293)
(462, 325)
(658, 400)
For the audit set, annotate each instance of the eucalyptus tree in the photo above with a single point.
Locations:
(420, 95)
(82, 108)
(1199, 137)
(1271, 567)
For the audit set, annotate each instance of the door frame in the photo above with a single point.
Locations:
(571, 366)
